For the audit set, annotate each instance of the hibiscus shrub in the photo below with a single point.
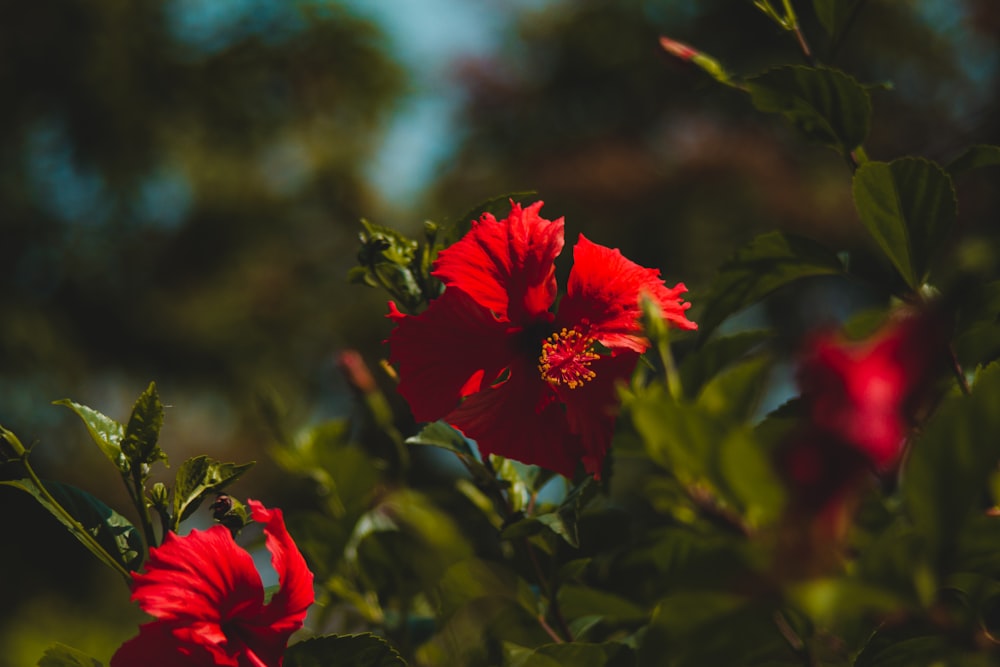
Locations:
(596, 477)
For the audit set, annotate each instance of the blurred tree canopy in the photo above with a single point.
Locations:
(180, 188)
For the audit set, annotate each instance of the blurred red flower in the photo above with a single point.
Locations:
(208, 600)
(859, 398)
(490, 358)
(863, 393)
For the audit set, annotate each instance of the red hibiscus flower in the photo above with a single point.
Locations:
(863, 394)
(490, 358)
(208, 600)
(859, 399)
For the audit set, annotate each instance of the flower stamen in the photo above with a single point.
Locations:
(566, 357)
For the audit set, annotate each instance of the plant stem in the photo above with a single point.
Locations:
(138, 493)
(956, 368)
(551, 592)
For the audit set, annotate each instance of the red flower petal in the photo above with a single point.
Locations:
(209, 600)
(604, 289)
(506, 266)
(447, 352)
(202, 576)
(157, 646)
(522, 420)
(286, 611)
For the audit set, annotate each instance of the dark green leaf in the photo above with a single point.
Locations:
(835, 15)
(90, 521)
(390, 260)
(913, 652)
(104, 431)
(363, 650)
(975, 157)
(909, 207)
(950, 463)
(770, 261)
(59, 655)
(701, 628)
(196, 478)
(143, 429)
(977, 329)
(575, 654)
(563, 521)
(576, 601)
(704, 363)
(440, 434)
(826, 105)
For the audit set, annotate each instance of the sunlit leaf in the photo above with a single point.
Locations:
(441, 434)
(768, 262)
(975, 157)
(59, 655)
(199, 476)
(909, 207)
(826, 105)
(104, 431)
(363, 650)
(90, 521)
(142, 432)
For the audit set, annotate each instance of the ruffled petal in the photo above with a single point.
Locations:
(592, 409)
(447, 352)
(286, 611)
(203, 576)
(604, 289)
(506, 266)
(521, 419)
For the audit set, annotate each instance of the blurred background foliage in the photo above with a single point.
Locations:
(181, 184)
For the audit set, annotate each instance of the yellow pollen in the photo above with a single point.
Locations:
(566, 357)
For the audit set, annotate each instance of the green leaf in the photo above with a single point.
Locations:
(576, 601)
(975, 157)
(950, 464)
(701, 365)
(909, 207)
(835, 15)
(143, 429)
(59, 655)
(575, 654)
(826, 105)
(104, 431)
(563, 521)
(198, 477)
(441, 434)
(390, 260)
(768, 262)
(699, 628)
(912, 652)
(107, 534)
(362, 650)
